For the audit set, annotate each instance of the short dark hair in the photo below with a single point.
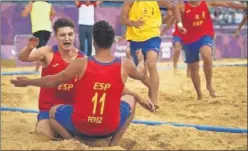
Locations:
(62, 22)
(103, 34)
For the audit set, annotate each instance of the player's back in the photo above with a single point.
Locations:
(197, 21)
(63, 94)
(97, 98)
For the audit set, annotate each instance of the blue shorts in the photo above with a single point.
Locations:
(63, 117)
(192, 50)
(150, 44)
(43, 115)
(177, 39)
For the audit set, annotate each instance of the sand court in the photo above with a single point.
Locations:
(178, 103)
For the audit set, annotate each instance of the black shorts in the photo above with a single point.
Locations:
(43, 37)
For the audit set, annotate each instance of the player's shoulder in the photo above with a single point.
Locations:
(81, 61)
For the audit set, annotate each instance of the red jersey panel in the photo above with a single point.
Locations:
(197, 21)
(63, 94)
(98, 93)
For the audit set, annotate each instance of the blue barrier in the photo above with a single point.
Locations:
(152, 123)
(199, 127)
(159, 68)
(18, 110)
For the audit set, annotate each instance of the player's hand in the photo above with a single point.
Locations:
(140, 55)
(33, 42)
(148, 105)
(128, 53)
(137, 23)
(183, 30)
(20, 82)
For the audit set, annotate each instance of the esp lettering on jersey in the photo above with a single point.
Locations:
(98, 102)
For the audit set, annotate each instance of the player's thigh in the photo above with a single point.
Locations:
(151, 51)
(63, 115)
(192, 52)
(206, 48)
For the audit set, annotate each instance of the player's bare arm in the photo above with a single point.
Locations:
(169, 21)
(27, 9)
(28, 55)
(124, 13)
(52, 13)
(74, 69)
(179, 8)
(124, 16)
(227, 4)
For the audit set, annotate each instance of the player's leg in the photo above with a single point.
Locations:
(127, 108)
(60, 120)
(177, 49)
(43, 126)
(134, 46)
(206, 53)
(151, 49)
(187, 71)
(82, 38)
(89, 40)
(192, 59)
(184, 59)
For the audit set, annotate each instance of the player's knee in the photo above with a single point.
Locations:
(53, 111)
(178, 47)
(194, 67)
(43, 127)
(130, 101)
(151, 64)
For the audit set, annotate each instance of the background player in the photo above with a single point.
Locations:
(170, 20)
(243, 22)
(199, 38)
(143, 21)
(41, 15)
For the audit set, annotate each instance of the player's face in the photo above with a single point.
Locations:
(66, 38)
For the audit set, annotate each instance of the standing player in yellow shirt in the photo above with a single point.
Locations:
(143, 21)
(41, 15)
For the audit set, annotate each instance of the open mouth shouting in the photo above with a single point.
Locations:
(67, 44)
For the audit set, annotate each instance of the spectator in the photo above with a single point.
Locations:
(41, 14)
(238, 17)
(86, 20)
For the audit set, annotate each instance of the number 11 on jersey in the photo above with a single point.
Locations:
(101, 102)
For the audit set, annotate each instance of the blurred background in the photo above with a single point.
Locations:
(16, 29)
